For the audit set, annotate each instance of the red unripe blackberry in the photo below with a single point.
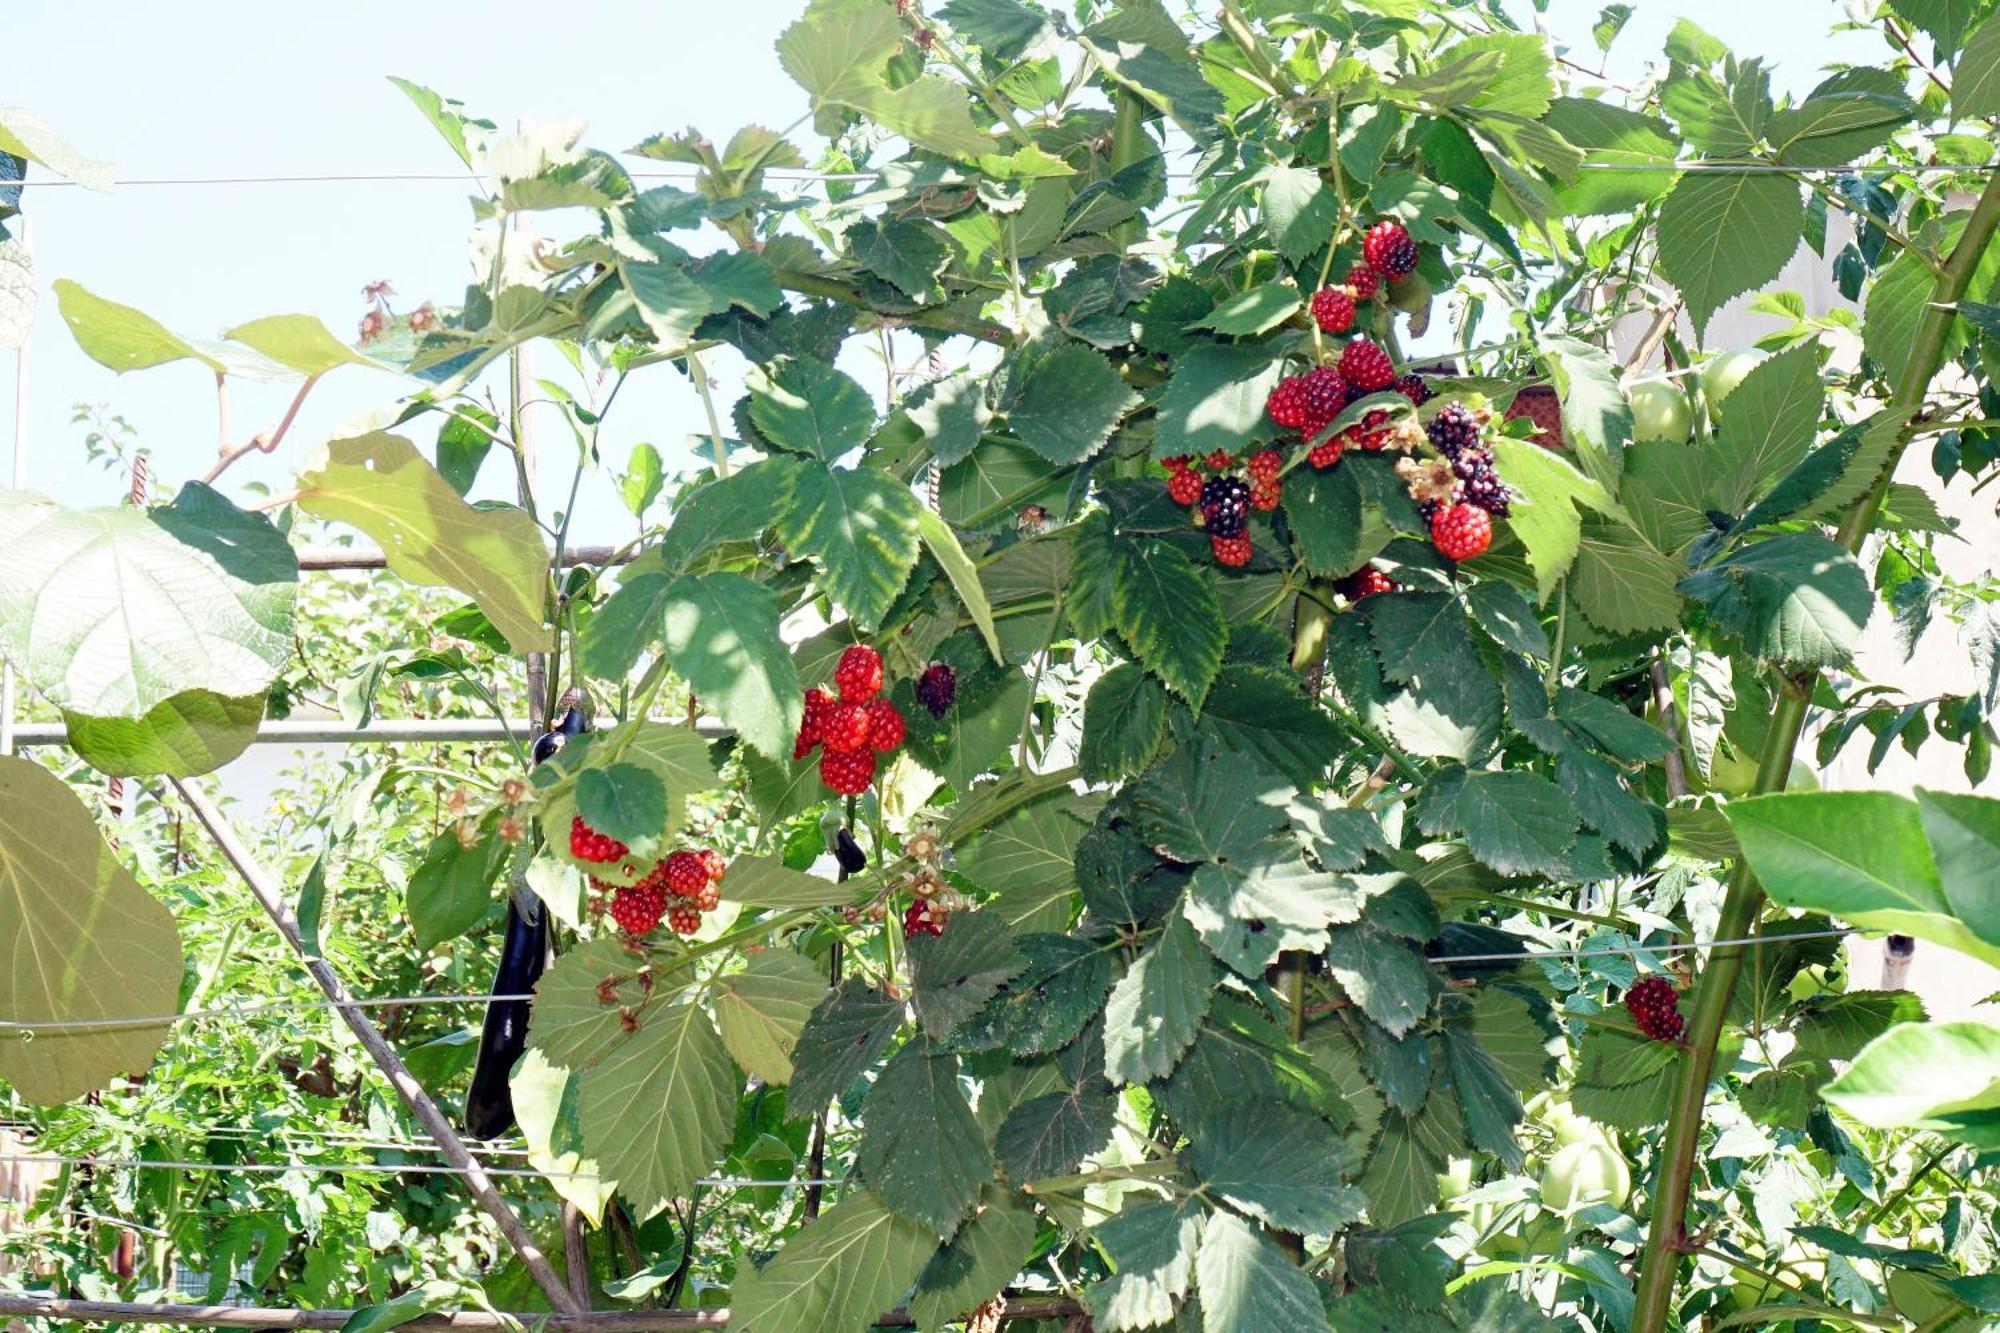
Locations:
(1389, 249)
(1412, 387)
(847, 727)
(1184, 488)
(1219, 460)
(684, 918)
(1225, 506)
(925, 917)
(859, 675)
(1307, 402)
(1324, 456)
(938, 686)
(1265, 465)
(818, 704)
(1333, 309)
(1373, 433)
(1233, 552)
(587, 844)
(712, 862)
(686, 875)
(1453, 430)
(885, 725)
(1366, 582)
(1266, 497)
(1178, 463)
(1364, 282)
(847, 773)
(1655, 1007)
(638, 909)
(1462, 531)
(1365, 366)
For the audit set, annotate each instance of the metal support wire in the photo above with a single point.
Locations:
(53, 1028)
(372, 1168)
(383, 731)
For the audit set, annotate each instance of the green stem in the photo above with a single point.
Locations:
(1129, 144)
(1666, 1237)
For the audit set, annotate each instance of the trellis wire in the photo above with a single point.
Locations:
(1694, 167)
(375, 1168)
(295, 1006)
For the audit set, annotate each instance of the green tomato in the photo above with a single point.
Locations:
(1585, 1173)
(1660, 411)
(1455, 1179)
(1826, 979)
(1506, 1230)
(1569, 1127)
(1721, 373)
(1735, 774)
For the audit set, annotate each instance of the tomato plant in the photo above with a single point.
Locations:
(1134, 814)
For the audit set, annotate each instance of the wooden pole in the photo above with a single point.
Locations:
(484, 1192)
(629, 1321)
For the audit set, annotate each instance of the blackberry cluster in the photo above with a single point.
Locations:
(1454, 430)
(680, 887)
(1483, 486)
(1390, 250)
(1305, 403)
(853, 727)
(1225, 506)
(1412, 387)
(1655, 1006)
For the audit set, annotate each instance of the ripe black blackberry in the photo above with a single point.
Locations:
(1454, 429)
(1483, 486)
(1225, 506)
(937, 687)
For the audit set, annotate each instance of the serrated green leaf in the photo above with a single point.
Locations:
(734, 508)
(1247, 314)
(85, 941)
(1389, 980)
(810, 408)
(1262, 710)
(622, 800)
(1548, 494)
(1156, 1008)
(846, 1034)
(763, 1008)
(1722, 233)
(1597, 420)
(1216, 400)
(1773, 416)
(952, 415)
(838, 1273)
(1050, 1135)
(1975, 85)
(380, 484)
(1506, 615)
(980, 1260)
(573, 1022)
(1072, 400)
(944, 547)
(907, 254)
(758, 881)
(1936, 1076)
(1299, 211)
(1152, 1247)
(451, 890)
(1056, 994)
(1492, 1110)
(1516, 822)
(1169, 614)
(1124, 723)
(1622, 584)
(1198, 806)
(1277, 1164)
(953, 974)
(921, 1149)
(721, 636)
(1835, 1027)
(1003, 29)
(741, 279)
(670, 302)
(1323, 507)
(862, 528)
(674, 1059)
(1246, 1282)
(1796, 599)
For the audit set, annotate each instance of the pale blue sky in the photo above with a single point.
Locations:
(226, 87)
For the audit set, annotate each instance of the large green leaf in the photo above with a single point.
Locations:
(578, 1002)
(862, 527)
(837, 1274)
(1597, 421)
(1975, 85)
(122, 338)
(1278, 1164)
(112, 613)
(380, 484)
(1124, 723)
(980, 1260)
(1216, 400)
(846, 1033)
(1381, 973)
(1797, 599)
(451, 890)
(193, 732)
(1071, 402)
(1246, 1282)
(1773, 416)
(1724, 232)
(837, 54)
(1059, 991)
(763, 1008)
(759, 881)
(1152, 1247)
(943, 544)
(1944, 1077)
(1051, 1135)
(1859, 855)
(83, 941)
(1548, 493)
(1156, 1008)
(955, 973)
(811, 408)
(658, 1105)
(1964, 832)
(721, 635)
(1622, 584)
(298, 342)
(921, 1149)
(1169, 615)
(734, 508)
(1516, 822)
(1299, 211)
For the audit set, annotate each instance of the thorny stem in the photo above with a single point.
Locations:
(1666, 1236)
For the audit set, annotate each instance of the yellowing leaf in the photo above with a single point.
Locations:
(79, 940)
(380, 484)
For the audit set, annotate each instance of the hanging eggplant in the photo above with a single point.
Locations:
(489, 1104)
